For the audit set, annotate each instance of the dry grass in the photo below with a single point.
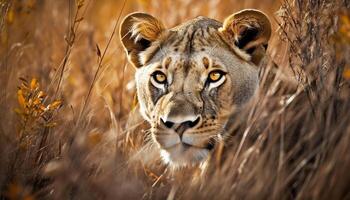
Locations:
(66, 91)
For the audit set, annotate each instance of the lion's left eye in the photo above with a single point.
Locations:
(159, 77)
(215, 76)
(159, 80)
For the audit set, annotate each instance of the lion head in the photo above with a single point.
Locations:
(191, 77)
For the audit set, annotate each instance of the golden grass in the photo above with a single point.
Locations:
(66, 90)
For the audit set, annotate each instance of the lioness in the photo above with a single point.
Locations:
(191, 77)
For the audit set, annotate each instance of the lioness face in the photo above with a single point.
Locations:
(190, 78)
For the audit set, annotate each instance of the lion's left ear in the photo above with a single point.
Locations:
(249, 30)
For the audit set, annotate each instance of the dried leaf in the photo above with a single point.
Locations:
(134, 102)
(346, 74)
(344, 28)
(24, 86)
(10, 16)
(14, 190)
(80, 4)
(31, 3)
(18, 111)
(21, 99)
(41, 94)
(28, 197)
(54, 105)
(52, 167)
(34, 84)
(98, 50)
(23, 80)
(80, 19)
(51, 124)
(43, 108)
(94, 139)
(37, 101)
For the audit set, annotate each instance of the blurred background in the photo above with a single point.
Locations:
(34, 32)
(66, 91)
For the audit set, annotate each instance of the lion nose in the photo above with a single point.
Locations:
(180, 126)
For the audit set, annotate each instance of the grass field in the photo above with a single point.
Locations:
(66, 91)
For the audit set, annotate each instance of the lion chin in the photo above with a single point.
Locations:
(182, 155)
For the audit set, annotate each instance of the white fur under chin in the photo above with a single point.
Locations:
(181, 156)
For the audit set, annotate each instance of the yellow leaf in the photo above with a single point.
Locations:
(344, 27)
(51, 124)
(41, 95)
(28, 197)
(55, 104)
(80, 4)
(18, 111)
(31, 3)
(345, 19)
(346, 74)
(30, 103)
(94, 139)
(24, 86)
(4, 37)
(34, 84)
(42, 108)
(10, 16)
(13, 191)
(21, 99)
(37, 102)
(134, 102)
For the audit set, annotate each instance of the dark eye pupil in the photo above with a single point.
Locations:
(160, 78)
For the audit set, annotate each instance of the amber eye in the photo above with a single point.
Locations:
(159, 77)
(215, 76)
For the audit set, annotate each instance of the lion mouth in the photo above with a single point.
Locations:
(182, 153)
(209, 146)
(168, 141)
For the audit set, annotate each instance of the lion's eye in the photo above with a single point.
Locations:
(215, 76)
(159, 77)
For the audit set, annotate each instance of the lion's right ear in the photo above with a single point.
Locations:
(137, 32)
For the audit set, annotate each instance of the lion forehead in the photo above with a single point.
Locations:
(198, 35)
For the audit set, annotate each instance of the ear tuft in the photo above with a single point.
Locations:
(137, 32)
(145, 27)
(249, 30)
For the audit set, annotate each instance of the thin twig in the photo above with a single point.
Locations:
(100, 64)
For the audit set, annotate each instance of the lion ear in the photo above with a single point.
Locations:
(137, 32)
(249, 30)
